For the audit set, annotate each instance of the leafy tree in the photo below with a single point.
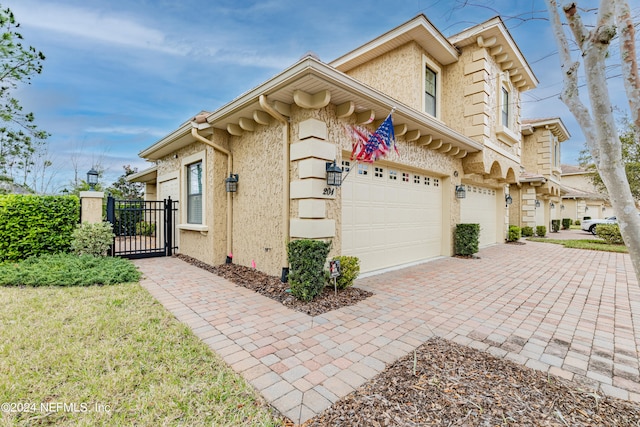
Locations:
(20, 138)
(125, 190)
(630, 158)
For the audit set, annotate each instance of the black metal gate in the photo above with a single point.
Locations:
(142, 228)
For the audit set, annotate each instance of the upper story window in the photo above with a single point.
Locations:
(194, 193)
(556, 152)
(504, 107)
(431, 87)
(430, 91)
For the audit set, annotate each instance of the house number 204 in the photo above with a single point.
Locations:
(328, 191)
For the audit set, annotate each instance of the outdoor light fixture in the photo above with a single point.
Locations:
(552, 205)
(586, 208)
(603, 209)
(460, 192)
(561, 207)
(92, 179)
(537, 203)
(507, 199)
(231, 183)
(65, 192)
(334, 174)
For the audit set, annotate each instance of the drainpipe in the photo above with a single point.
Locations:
(201, 118)
(285, 180)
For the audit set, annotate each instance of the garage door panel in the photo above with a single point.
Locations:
(397, 221)
(480, 207)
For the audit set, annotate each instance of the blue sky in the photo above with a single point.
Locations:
(121, 74)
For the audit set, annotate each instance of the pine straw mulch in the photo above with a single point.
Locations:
(272, 287)
(444, 383)
(454, 385)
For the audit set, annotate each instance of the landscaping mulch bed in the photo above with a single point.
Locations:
(453, 385)
(272, 287)
(444, 383)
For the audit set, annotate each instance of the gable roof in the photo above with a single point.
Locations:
(495, 36)
(419, 29)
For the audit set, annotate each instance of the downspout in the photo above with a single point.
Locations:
(286, 203)
(194, 132)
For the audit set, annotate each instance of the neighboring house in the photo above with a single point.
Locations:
(580, 198)
(457, 122)
(537, 197)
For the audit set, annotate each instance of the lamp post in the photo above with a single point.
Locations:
(92, 179)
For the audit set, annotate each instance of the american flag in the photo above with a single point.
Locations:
(368, 147)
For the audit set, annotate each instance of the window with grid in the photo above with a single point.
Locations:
(504, 107)
(430, 91)
(194, 193)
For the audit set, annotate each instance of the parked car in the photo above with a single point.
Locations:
(590, 224)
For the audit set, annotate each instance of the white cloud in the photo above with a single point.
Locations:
(93, 24)
(127, 130)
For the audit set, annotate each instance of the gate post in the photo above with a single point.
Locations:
(168, 226)
(91, 206)
(111, 210)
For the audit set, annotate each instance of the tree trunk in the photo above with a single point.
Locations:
(598, 123)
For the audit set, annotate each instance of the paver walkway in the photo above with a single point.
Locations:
(569, 312)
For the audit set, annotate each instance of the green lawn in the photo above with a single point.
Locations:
(114, 356)
(590, 244)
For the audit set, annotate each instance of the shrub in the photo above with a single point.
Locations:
(527, 231)
(610, 233)
(349, 271)
(68, 270)
(31, 225)
(514, 233)
(467, 239)
(555, 225)
(541, 231)
(144, 228)
(92, 239)
(566, 223)
(306, 271)
(577, 222)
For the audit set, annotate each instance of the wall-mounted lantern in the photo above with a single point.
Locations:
(508, 199)
(586, 208)
(460, 192)
(537, 203)
(603, 209)
(231, 183)
(561, 207)
(92, 179)
(552, 205)
(334, 174)
(65, 192)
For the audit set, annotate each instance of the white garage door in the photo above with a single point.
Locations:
(479, 207)
(390, 216)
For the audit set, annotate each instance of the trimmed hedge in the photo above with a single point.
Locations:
(555, 225)
(467, 238)
(306, 271)
(514, 233)
(566, 223)
(541, 230)
(527, 231)
(349, 271)
(32, 225)
(610, 233)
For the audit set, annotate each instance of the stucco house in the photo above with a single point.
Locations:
(580, 198)
(537, 196)
(456, 114)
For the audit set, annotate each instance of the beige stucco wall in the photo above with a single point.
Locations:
(397, 73)
(257, 206)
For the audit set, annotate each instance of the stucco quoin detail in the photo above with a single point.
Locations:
(312, 228)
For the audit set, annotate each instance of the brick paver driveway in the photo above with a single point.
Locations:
(573, 313)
